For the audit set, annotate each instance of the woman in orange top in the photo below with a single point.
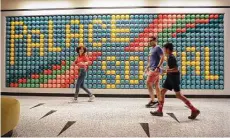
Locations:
(82, 62)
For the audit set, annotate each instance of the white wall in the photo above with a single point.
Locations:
(40, 4)
(37, 4)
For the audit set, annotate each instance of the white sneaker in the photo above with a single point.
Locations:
(74, 101)
(91, 98)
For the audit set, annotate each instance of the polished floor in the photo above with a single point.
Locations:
(119, 117)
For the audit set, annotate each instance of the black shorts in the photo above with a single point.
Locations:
(172, 82)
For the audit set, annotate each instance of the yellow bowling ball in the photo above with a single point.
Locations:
(103, 40)
(11, 62)
(108, 72)
(211, 77)
(197, 72)
(76, 21)
(183, 72)
(103, 81)
(126, 77)
(67, 44)
(141, 77)
(206, 58)
(118, 81)
(131, 58)
(183, 63)
(11, 58)
(90, 40)
(58, 49)
(136, 81)
(108, 58)
(104, 26)
(81, 27)
(29, 53)
(193, 49)
(183, 58)
(41, 53)
(206, 49)
(207, 63)
(126, 62)
(183, 54)
(72, 22)
(197, 54)
(127, 72)
(188, 49)
(118, 17)
(122, 17)
(216, 77)
(118, 77)
(207, 77)
(206, 72)
(197, 63)
(141, 67)
(188, 63)
(24, 31)
(141, 63)
(193, 63)
(131, 81)
(103, 63)
(108, 86)
(118, 63)
(113, 72)
(183, 68)
(12, 23)
(197, 68)
(103, 67)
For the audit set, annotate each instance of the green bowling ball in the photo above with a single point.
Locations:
(206, 16)
(45, 81)
(62, 71)
(32, 85)
(160, 35)
(28, 85)
(20, 85)
(174, 26)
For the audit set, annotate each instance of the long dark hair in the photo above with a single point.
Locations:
(78, 50)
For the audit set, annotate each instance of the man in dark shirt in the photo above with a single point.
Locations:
(173, 82)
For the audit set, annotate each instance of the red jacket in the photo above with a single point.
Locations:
(84, 58)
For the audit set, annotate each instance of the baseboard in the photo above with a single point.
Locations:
(108, 95)
(8, 134)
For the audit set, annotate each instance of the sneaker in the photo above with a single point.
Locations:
(74, 100)
(194, 114)
(152, 104)
(91, 98)
(156, 113)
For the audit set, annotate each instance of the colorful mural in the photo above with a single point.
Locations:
(40, 49)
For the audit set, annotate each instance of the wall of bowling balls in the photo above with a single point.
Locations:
(40, 49)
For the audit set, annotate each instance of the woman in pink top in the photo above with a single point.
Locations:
(82, 61)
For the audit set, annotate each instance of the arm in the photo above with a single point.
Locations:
(148, 63)
(161, 53)
(172, 70)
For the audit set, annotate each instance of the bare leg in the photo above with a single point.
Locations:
(161, 102)
(185, 100)
(150, 89)
(158, 92)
